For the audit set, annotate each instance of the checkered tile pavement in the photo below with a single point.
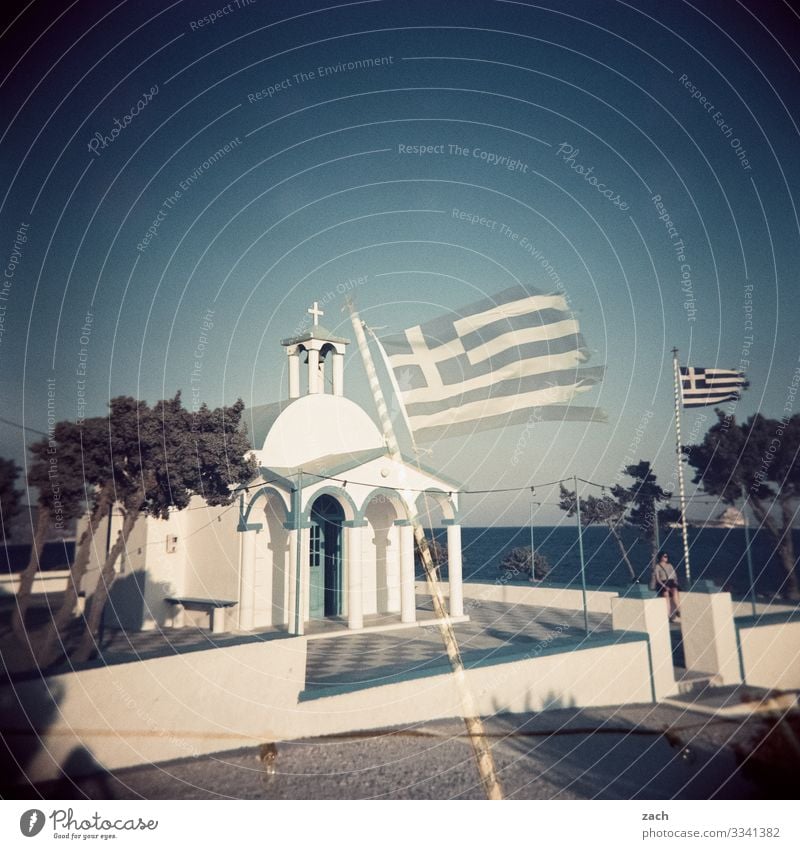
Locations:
(372, 658)
(494, 630)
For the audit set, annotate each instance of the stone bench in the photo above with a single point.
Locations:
(215, 607)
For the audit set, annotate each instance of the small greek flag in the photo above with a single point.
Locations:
(511, 358)
(701, 387)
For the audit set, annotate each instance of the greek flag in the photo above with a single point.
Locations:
(701, 387)
(515, 357)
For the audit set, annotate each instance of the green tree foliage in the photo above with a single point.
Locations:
(605, 510)
(644, 495)
(758, 461)
(438, 552)
(518, 562)
(159, 458)
(9, 494)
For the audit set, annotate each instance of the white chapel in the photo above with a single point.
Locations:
(323, 532)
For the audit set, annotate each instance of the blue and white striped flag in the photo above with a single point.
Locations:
(508, 359)
(701, 387)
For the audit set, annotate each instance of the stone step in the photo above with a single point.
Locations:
(695, 683)
(734, 700)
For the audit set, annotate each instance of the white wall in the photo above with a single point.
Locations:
(54, 581)
(597, 601)
(771, 655)
(221, 699)
(211, 544)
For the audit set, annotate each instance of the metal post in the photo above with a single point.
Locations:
(681, 490)
(533, 550)
(749, 554)
(580, 549)
(656, 529)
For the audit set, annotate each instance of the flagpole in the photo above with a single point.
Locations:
(679, 454)
(472, 721)
(533, 551)
(580, 550)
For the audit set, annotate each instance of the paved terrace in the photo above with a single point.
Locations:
(384, 652)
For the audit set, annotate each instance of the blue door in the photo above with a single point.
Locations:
(316, 581)
(325, 558)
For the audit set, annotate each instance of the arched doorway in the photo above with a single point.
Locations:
(325, 558)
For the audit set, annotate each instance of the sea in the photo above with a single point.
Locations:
(716, 554)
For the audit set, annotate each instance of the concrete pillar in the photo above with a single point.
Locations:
(408, 602)
(294, 375)
(218, 620)
(338, 374)
(355, 587)
(247, 583)
(454, 570)
(639, 610)
(709, 635)
(313, 372)
(291, 578)
(305, 581)
(393, 604)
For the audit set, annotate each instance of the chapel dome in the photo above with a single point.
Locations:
(314, 426)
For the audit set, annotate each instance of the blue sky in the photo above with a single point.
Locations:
(119, 122)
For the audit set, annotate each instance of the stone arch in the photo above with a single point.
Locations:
(266, 491)
(381, 554)
(339, 493)
(275, 548)
(391, 496)
(443, 500)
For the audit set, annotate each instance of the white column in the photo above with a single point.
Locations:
(338, 374)
(313, 372)
(247, 584)
(218, 620)
(393, 591)
(291, 578)
(305, 562)
(355, 588)
(408, 601)
(454, 570)
(294, 375)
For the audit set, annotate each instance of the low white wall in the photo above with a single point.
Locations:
(44, 582)
(649, 615)
(709, 636)
(156, 710)
(597, 601)
(222, 699)
(771, 654)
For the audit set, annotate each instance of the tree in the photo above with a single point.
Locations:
(438, 551)
(518, 561)
(606, 510)
(758, 461)
(56, 472)
(645, 494)
(9, 494)
(159, 458)
(91, 440)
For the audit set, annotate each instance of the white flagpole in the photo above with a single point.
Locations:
(395, 386)
(472, 720)
(679, 453)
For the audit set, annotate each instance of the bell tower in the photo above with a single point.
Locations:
(320, 346)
